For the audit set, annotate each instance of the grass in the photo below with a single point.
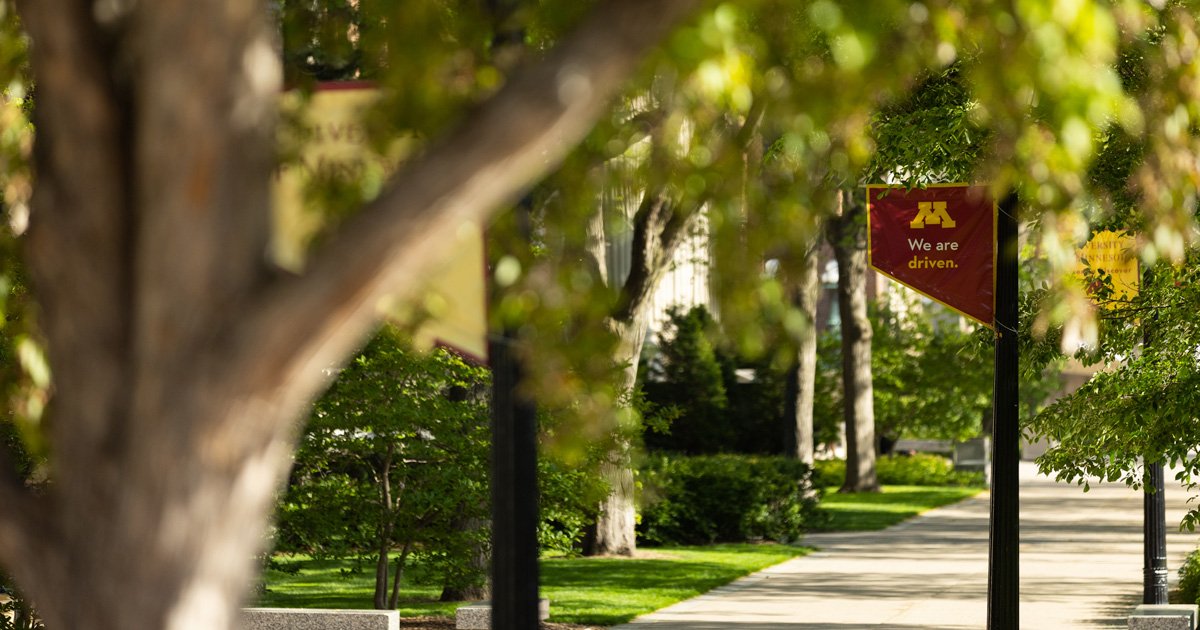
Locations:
(600, 591)
(608, 591)
(342, 583)
(866, 511)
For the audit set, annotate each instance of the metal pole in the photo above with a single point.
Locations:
(1154, 508)
(1003, 557)
(514, 495)
(1154, 539)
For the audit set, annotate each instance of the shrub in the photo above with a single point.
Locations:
(828, 472)
(923, 469)
(725, 498)
(1189, 578)
(688, 378)
(919, 469)
(568, 499)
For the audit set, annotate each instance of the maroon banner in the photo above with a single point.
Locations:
(940, 241)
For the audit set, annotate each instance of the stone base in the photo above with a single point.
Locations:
(311, 619)
(1164, 617)
(478, 616)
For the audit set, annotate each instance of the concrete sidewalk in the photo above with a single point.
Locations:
(1081, 567)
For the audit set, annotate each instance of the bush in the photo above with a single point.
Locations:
(829, 473)
(923, 469)
(725, 498)
(919, 469)
(1189, 578)
(568, 499)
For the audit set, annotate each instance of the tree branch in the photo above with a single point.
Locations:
(514, 138)
(659, 228)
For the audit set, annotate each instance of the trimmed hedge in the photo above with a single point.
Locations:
(690, 500)
(919, 469)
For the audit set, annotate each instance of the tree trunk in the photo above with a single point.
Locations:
(616, 523)
(847, 236)
(181, 360)
(659, 226)
(398, 576)
(480, 588)
(388, 509)
(804, 377)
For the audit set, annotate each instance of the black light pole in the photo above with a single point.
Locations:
(1154, 539)
(1003, 556)
(514, 495)
(1154, 512)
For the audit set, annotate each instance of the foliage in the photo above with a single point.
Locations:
(756, 408)
(693, 411)
(872, 511)
(15, 613)
(1189, 578)
(924, 469)
(567, 500)
(918, 469)
(829, 473)
(593, 591)
(1045, 77)
(1140, 408)
(827, 392)
(726, 498)
(21, 617)
(687, 376)
(930, 379)
(395, 455)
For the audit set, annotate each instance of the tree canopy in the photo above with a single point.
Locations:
(163, 360)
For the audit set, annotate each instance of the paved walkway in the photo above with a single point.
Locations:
(1081, 567)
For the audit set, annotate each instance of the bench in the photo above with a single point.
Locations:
(478, 616)
(1164, 617)
(312, 619)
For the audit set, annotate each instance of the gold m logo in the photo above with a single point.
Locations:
(932, 212)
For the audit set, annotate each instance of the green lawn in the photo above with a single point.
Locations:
(601, 591)
(874, 511)
(342, 584)
(608, 591)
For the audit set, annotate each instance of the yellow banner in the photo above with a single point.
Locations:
(1112, 253)
(334, 147)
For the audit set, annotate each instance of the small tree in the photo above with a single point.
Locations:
(395, 456)
(932, 379)
(692, 383)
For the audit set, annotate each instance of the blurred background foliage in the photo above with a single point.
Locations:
(753, 113)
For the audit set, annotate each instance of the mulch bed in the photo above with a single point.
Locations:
(443, 623)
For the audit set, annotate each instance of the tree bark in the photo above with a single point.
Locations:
(181, 361)
(805, 374)
(480, 560)
(387, 526)
(398, 576)
(616, 523)
(847, 236)
(659, 227)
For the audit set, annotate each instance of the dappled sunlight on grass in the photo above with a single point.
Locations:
(602, 591)
(868, 511)
(608, 591)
